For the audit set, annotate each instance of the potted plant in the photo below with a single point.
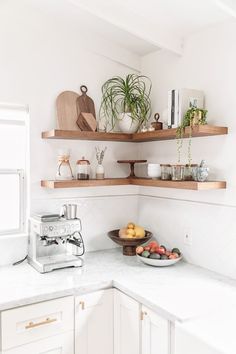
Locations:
(126, 102)
(194, 116)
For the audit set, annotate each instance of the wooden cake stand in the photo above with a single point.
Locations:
(132, 163)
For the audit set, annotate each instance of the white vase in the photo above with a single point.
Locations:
(100, 173)
(127, 124)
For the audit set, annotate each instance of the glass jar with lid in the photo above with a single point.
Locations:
(82, 169)
(165, 172)
(177, 172)
(189, 171)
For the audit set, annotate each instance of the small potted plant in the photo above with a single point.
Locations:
(126, 102)
(194, 116)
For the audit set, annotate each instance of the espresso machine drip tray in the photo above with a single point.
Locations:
(49, 263)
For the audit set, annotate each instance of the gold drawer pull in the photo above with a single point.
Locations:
(82, 304)
(142, 314)
(37, 324)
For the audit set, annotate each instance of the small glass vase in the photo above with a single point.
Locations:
(100, 173)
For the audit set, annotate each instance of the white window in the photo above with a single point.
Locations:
(13, 167)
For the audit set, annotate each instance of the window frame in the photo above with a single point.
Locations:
(21, 206)
(18, 115)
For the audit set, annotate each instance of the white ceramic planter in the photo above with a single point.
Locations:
(127, 125)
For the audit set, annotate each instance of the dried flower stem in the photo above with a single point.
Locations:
(100, 154)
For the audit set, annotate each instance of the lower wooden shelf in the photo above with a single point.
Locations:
(86, 183)
(191, 185)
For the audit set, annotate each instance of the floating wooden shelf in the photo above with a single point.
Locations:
(191, 185)
(169, 134)
(85, 183)
(166, 134)
(78, 135)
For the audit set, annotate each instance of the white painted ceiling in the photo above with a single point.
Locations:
(143, 26)
(147, 25)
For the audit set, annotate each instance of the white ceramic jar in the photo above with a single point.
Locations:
(154, 170)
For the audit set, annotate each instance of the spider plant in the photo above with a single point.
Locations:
(129, 95)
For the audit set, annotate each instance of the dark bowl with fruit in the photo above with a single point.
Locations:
(157, 255)
(129, 244)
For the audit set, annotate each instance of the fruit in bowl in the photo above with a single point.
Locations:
(132, 231)
(157, 255)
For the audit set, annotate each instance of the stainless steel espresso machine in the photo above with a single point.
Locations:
(55, 241)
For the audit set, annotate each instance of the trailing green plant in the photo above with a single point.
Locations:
(128, 95)
(194, 116)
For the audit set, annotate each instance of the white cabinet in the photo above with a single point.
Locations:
(126, 324)
(94, 323)
(102, 322)
(137, 329)
(32, 323)
(60, 344)
(155, 333)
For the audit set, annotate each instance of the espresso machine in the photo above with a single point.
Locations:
(55, 241)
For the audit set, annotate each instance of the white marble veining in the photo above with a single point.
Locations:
(181, 292)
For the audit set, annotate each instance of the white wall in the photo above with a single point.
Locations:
(44, 52)
(208, 63)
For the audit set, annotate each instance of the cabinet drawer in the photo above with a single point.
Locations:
(34, 322)
(60, 344)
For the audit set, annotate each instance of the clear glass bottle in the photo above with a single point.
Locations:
(165, 172)
(64, 170)
(82, 169)
(177, 172)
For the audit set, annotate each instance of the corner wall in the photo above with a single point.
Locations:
(45, 52)
(208, 63)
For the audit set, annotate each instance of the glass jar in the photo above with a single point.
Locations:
(189, 172)
(177, 172)
(165, 172)
(82, 169)
(64, 171)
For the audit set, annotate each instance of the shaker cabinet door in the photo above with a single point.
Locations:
(94, 323)
(155, 333)
(126, 324)
(60, 344)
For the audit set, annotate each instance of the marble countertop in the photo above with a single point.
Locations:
(181, 292)
(215, 331)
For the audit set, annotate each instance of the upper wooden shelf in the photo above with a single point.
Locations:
(166, 134)
(146, 182)
(79, 135)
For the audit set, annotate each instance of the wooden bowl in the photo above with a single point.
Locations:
(129, 244)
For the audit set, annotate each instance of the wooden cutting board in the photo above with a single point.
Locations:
(67, 110)
(85, 104)
(86, 122)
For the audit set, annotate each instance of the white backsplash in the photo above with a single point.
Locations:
(212, 230)
(98, 215)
